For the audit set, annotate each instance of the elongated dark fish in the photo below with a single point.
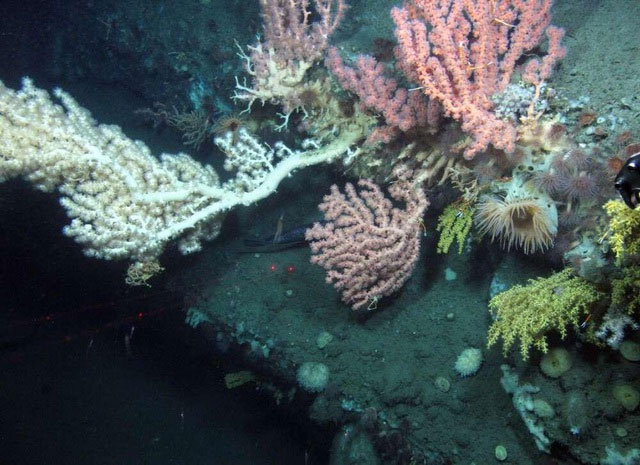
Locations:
(290, 238)
(627, 181)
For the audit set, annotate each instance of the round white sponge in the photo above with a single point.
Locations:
(313, 376)
(469, 362)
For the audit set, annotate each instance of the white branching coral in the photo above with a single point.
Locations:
(118, 195)
(124, 202)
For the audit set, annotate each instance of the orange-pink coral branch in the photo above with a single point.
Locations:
(462, 52)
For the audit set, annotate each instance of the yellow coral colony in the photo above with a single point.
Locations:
(624, 229)
(545, 304)
(454, 224)
(624, 290)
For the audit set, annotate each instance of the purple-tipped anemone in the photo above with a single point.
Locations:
(581, 186)
(548, 181)
(578, 158)
(560, 163)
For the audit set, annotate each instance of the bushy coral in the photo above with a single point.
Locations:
(624, 229)
(624, 290)
(454, 223)
(545, 304)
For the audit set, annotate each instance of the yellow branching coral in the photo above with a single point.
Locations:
(454, 224)
(624, 290)
(529, 312)
(624, 228)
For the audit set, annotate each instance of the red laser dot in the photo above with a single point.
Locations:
(272, 268)
(291, 269)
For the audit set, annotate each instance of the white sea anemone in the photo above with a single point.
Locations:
(529, 223)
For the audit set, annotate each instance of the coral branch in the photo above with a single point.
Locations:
(402, 110)
(291, 45)
(368, 247)
(124, 202)
(463, 51)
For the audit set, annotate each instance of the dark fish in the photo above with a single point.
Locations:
(291, 238)
(627, 181)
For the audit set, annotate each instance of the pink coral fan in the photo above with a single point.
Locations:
(369, 247)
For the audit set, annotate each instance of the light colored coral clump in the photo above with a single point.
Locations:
(529, 312)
